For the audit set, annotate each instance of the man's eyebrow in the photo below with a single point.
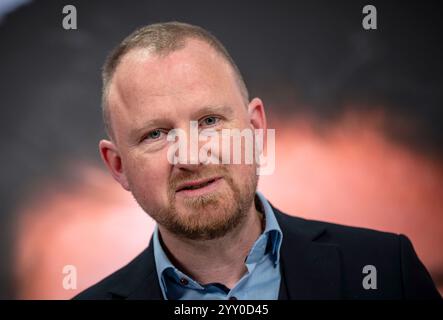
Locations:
(222, 109)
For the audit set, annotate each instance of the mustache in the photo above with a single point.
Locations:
(203, 173)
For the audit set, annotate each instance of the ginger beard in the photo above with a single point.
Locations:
(208, 216)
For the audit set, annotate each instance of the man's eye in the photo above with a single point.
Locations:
(210, 121)
(154, 134)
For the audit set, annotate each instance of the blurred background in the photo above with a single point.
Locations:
(357, 115)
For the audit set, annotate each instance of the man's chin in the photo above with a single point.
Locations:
(206, 223)
(191, 205)
(203, 212)
(208, 230)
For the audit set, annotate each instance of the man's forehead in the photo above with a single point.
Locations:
(142, 72)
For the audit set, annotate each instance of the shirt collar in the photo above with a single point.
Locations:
(162, 261)
(272, 228)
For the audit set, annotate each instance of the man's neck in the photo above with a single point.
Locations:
(219, 260)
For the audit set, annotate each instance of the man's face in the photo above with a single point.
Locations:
(149, 96)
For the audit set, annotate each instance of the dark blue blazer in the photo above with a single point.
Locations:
(319, 260)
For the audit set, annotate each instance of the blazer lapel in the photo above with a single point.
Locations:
(310, 269)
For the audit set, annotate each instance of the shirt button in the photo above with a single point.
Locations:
(232, 298)
(184, 281)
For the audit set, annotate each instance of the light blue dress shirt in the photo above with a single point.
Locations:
(261, 281)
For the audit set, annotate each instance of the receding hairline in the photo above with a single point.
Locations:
(161, 39)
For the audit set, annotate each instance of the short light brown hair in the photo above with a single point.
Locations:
(161, 39)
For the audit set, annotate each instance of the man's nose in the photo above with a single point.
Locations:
(188, 167)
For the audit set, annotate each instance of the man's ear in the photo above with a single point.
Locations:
(257, 116)
(113, 161)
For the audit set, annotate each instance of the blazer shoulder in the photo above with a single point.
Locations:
(127, 275)
(392, 254)
(359, 245)
(336, 233)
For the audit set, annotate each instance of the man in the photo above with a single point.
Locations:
(216, 236)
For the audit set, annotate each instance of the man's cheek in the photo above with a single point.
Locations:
(154, 182)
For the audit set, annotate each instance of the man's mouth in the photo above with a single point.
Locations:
(197, 187)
